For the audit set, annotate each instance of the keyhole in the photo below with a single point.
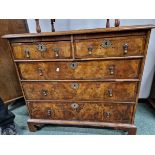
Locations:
(74, 106)
(106, 43)
(73, 65)
(75, 85)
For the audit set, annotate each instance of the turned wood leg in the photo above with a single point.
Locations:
(132, 131)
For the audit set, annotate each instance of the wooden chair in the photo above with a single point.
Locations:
(38, 28)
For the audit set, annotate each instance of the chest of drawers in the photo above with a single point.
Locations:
(82, 77)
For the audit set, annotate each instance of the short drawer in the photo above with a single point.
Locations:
(42, 50)
(110, 47)
(99, 91)
(90, 111)
(88, 70)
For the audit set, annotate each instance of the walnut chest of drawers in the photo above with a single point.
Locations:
(82, 77)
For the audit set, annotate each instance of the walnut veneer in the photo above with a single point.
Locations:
(82, 77)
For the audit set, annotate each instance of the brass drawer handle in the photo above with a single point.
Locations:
(50, 113)
(75, 85)
(107, 114)
(111, 69)
(125, 48)
(110, 93)
(106, 43)
(73, 65)
(40, 71)
(27, 53)
(74, 106)
(56, 51)
(90, 50)
(44, 92)
(57, 69)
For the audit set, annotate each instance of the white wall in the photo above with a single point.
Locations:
(75, 24)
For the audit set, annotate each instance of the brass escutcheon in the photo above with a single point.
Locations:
(73, 65)
(74, 105)
(75, 85)
(41, 47)
(106, 43)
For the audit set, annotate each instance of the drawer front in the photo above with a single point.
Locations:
(81, 111)
(97, 91)
(110, 47)
(43, 50)
(116, 69)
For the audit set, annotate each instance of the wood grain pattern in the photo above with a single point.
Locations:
(120, 113)
(130, 128)
(135, 47)
(94, 82)
(86, 70)
(121, 91)
(9, 85)
(63, 46)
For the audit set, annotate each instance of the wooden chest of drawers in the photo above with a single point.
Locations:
(83, 77)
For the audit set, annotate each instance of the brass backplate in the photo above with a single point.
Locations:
(106, 43)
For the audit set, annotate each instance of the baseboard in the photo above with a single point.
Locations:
(143, 100)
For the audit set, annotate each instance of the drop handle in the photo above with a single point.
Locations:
(125, 48)
(27, 53)
(40, 71)
(56, 51)
(49, 112)
(90, 50)
(107, 114)
(112, 69)
(110, 93)
(44, 92)
(57, 69)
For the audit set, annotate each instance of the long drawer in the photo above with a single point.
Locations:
(42, 50)
(106, 112)
(110, 47)
(87, 91)
(107, 69)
